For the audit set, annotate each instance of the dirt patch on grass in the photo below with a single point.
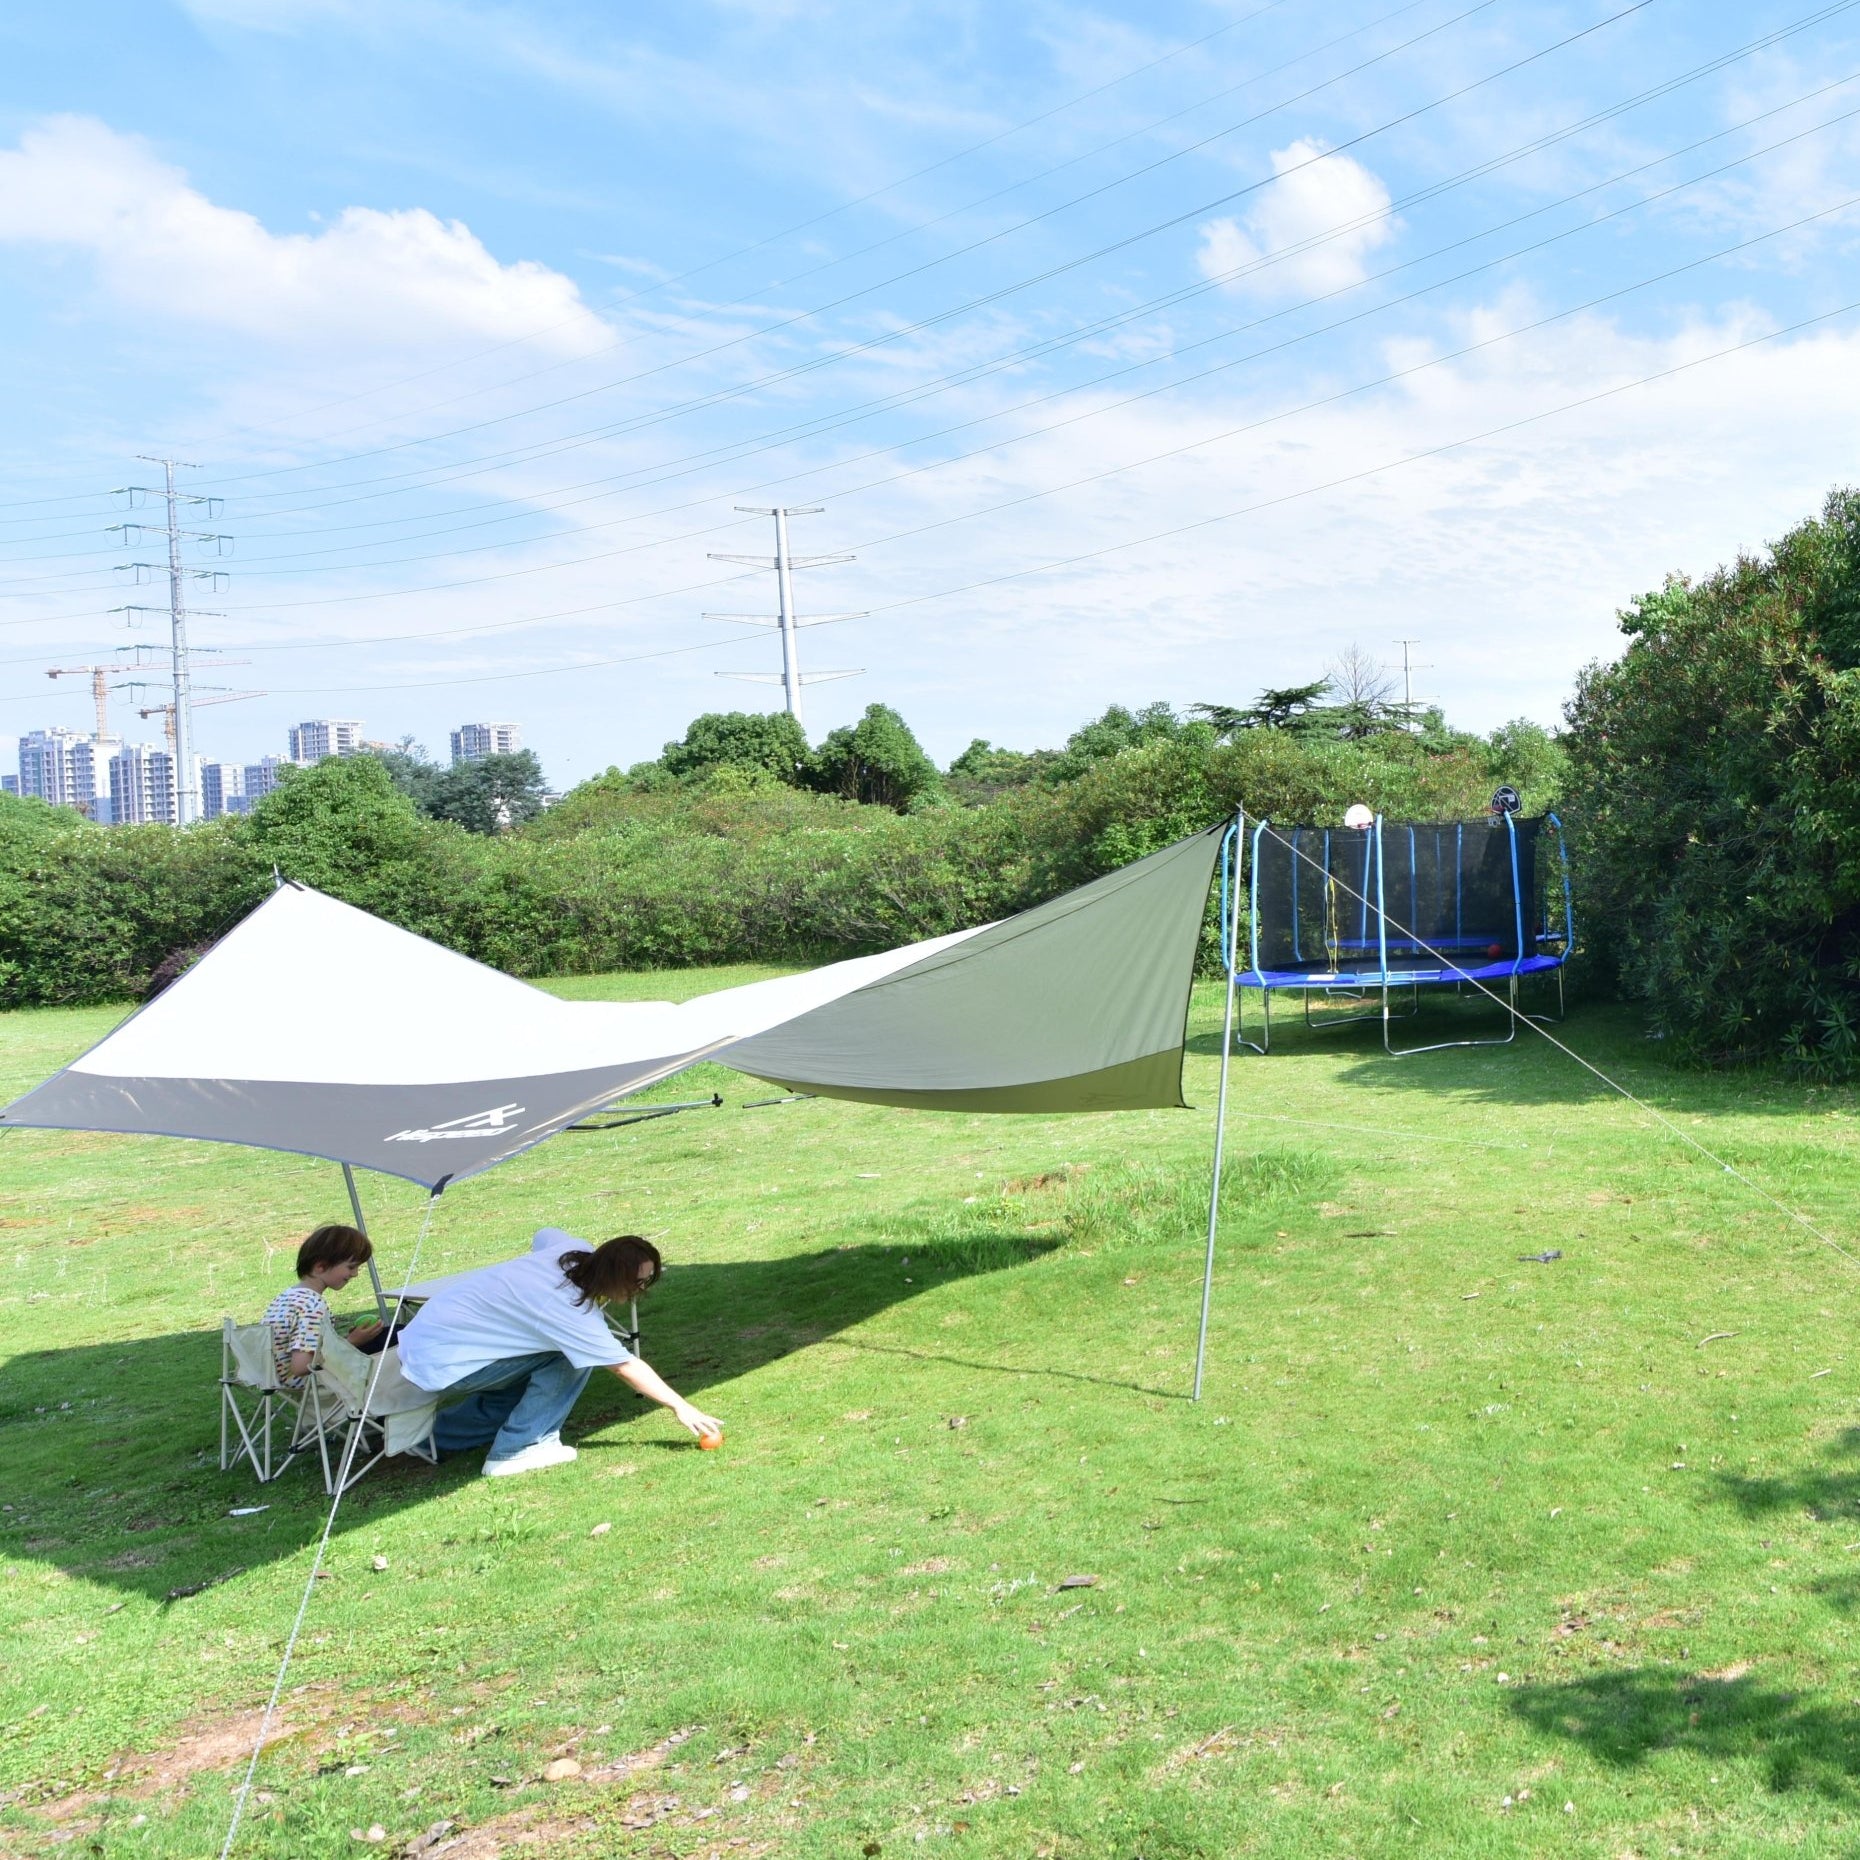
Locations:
(520, 1831)
(133, 1559)
(1046, 1182)
(199, 1745)
(623, 1769)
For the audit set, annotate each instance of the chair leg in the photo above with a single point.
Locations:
(255, 1434)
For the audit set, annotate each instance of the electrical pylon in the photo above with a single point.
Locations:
(186, 780)
(791, 678)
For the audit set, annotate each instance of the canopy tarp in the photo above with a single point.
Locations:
(316, 1028)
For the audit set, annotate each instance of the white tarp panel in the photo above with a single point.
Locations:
(316, 1028)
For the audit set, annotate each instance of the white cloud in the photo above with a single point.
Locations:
(386, 280)
(1329, 199)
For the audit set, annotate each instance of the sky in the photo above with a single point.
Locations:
(1133, 353)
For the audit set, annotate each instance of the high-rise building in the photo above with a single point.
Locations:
(9, 784)
(222, 787)
(45, 766)
(90, 768)
(260, 778)
(66, 768)
(322, 737)
(472, 742)
(142, 786)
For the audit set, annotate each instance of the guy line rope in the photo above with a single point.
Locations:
(1569, 1052)
(329, 1524)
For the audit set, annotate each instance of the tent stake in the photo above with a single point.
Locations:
(374, 1271)
(1230, 931)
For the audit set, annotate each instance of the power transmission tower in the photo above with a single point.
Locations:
(1408, 670)
(791, 678)
(186, 784)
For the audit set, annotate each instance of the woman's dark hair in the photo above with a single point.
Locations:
(330, 1245)
(619, 1268)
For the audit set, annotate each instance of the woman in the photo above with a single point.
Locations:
(518, 1342)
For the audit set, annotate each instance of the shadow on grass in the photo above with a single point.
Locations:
(1013, 1369)
(1355, 1027)
(1629, 1718)
(1527, 1071)
(1825, 1491)
(112, 1450)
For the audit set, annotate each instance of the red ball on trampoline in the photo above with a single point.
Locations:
(1495, 950)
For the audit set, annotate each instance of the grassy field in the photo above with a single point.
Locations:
(1462, 1553)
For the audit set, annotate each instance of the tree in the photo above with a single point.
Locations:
(1714, 798)
(770, 740)
(410, 770)
(984, 771)
(344, 828)
(1288, 707)
(1364, 692)
(877, 761)
(1354, 699)
(491, 794)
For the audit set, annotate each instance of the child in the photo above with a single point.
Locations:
(326, 1262)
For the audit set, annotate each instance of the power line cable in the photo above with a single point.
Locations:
(1331, 399)
(780, 284)
(1569, 1052)
(893, 335)
(847, 206)
(1172, 452)
(1136, 542)
(1797, 26)
(1179, 382)
(815, 426)
(528, 453)
(1174, 385)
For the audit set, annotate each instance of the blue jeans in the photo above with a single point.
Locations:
(511, 1403)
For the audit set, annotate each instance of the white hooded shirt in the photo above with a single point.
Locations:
(515, 1309)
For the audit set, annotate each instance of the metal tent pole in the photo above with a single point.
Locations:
(1229, 951)
(374, 1271)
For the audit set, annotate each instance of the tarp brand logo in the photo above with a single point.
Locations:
(492, 1123)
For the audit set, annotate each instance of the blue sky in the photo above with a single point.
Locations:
(1136, 353)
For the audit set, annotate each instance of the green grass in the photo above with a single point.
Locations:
(1448, 1528)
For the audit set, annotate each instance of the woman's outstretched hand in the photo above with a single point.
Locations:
(700, 1423)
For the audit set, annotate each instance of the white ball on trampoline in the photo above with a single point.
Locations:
(1357, 815)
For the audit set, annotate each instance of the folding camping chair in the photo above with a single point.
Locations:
(324, 1414)
(399, 1419)
(254, 1404)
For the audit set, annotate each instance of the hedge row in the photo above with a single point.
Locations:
(730, 869)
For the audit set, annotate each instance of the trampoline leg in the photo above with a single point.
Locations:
(1513, 1015)
(1265, 1040)
(1561, 1007)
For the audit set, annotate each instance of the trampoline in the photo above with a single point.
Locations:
(1362, 916)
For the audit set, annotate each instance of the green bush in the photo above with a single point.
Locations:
(722, 861)
(1714, 777)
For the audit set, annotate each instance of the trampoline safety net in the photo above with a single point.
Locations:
(1328, 900)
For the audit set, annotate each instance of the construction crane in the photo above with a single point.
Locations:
(99, 676)
(166, 711)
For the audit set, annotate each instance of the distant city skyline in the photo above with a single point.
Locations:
(122, 783)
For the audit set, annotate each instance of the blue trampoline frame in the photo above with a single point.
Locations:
(1550, 945)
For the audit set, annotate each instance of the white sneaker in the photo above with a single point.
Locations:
(548, 1451)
